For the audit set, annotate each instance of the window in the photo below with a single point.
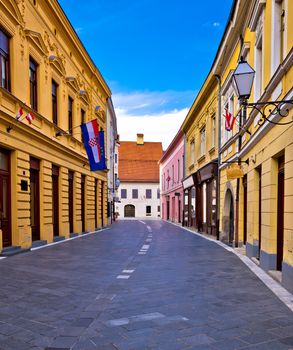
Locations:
(192, 154)
(135, 193)
(158, 193)
(123, 193)
(33, 84)
(213, 130)
(82, 116)
(168, 179)
(178, 170)
(54, 102)
(148, 210)
(278, 34)
(164, 182)
(116, 158)
(4, 61)
(258, 82)
(148, 193)
(203, 142)
(70, 109)
(172, 174)
(159, 208)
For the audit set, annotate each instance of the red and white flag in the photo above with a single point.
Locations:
(229, 121)
(19, 114)
(30, 117)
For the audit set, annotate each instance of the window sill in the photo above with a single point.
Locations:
(201, 159)
(191, 166)
(212, 150)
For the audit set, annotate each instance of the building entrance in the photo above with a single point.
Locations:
(5, 217)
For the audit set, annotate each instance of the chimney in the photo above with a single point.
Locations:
(139, 139)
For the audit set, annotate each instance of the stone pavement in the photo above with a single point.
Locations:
(139, 285)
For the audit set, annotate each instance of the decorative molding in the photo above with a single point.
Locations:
(37, 41)
(256, 14)
(10, 8)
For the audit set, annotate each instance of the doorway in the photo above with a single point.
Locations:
(5, 216)
(35, 197)
(280, 213)
(129, 211)
(70, 199)
(228, 217)
(83, 203)
(244, 209)
(55, 199)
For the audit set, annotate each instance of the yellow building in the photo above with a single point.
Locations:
(256, 208)
(201, 163)
(46, 188)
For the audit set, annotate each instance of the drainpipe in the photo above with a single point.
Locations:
(219, 154)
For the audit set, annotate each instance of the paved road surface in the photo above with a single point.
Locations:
(138, 286)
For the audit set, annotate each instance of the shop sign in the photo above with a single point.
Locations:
(234, 171)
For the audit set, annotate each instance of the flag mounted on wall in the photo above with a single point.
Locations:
(229, 120)
(94, 144)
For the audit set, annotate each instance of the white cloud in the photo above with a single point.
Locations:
(155, 127)
(152, 102)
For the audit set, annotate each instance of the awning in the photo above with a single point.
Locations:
(188, 182)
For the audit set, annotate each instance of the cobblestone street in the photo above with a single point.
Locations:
(138, 285)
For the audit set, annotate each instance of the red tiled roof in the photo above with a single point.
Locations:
(139, 163)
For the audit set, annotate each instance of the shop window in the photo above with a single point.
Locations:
(148, 210)
(4, 61)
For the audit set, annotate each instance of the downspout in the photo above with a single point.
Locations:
(219, 154)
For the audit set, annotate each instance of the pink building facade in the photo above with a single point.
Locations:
(171, 176)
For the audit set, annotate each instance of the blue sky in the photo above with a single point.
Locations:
(154, 55)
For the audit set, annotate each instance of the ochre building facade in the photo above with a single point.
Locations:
(47, 190)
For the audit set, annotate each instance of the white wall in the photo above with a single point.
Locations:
(140, 203)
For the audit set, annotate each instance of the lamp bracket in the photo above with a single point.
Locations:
(269, 108)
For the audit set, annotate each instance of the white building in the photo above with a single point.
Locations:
(112, 160)
(139, 189)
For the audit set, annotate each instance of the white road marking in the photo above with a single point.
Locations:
(127, 271)
(145, 317)
(142, 253)
(123, 277)
(149, 228)
(145, 246)
(69, 239)
(142, 222)
(2, 257)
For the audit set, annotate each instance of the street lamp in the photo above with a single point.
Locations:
(243, 77)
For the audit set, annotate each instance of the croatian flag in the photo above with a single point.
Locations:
(19, 114)
(30, 117)
(93, 141)
(229, 121)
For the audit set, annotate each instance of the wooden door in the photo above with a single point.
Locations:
(244, 209)
(83, 203)
(129, 211)
(102, 204)
(280, 214)
(5, 205)
(35, 197)
(259, 212)
(55, 199)
(70, 199)
(96, 206)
